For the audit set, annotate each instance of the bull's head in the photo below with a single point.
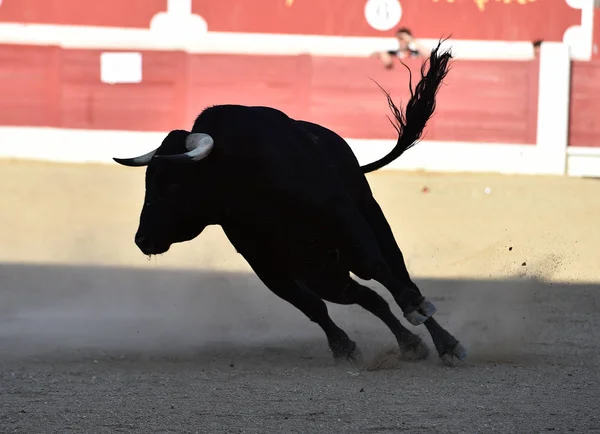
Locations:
(169, 214)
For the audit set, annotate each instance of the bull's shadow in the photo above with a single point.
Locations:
(215, 317)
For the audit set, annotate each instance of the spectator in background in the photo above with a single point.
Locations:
(407, 47)
(537, 44)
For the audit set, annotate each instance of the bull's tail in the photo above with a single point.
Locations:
(419, 109)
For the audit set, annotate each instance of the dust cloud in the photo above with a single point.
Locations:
(501, 318)
(48, 309)
(153, 311)
(495, 320)
(495, 324)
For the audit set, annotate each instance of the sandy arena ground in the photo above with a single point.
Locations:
(94, 338)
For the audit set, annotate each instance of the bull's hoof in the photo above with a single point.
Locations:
(458, 352)
(354, 358)
(415, 317)
(427, 308)
(415, 351)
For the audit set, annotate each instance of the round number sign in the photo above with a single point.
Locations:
(383, 14)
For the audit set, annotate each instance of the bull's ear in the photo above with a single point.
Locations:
(142, 160)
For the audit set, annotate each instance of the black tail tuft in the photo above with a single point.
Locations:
(419, 109)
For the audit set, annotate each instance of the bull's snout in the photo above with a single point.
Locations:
(143, 244)
(140, 240)
(147, 246)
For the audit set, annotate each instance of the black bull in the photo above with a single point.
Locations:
(294, 202)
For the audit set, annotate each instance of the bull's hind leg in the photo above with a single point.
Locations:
(360, 247)
(351, 292)
(339, 214)
(446, 344)
(391, 252)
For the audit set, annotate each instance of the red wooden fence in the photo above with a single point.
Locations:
(584, 128)
(481, 101)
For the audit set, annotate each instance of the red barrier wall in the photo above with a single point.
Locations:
(111, 13)
(510, 20)
(86, 102)
(489, 101)
(584, 126)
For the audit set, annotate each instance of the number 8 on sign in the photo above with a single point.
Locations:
(383, 14)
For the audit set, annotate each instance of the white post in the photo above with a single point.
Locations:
(178, 24)
(179, 7)
(553, 106)
(580, 37)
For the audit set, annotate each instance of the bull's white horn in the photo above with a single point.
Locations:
(199, 145)
(142, 160)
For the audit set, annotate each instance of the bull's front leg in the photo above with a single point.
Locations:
(294, 291)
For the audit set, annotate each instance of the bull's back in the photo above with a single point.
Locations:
(257, 135)
(266, 152)
(239, 118)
